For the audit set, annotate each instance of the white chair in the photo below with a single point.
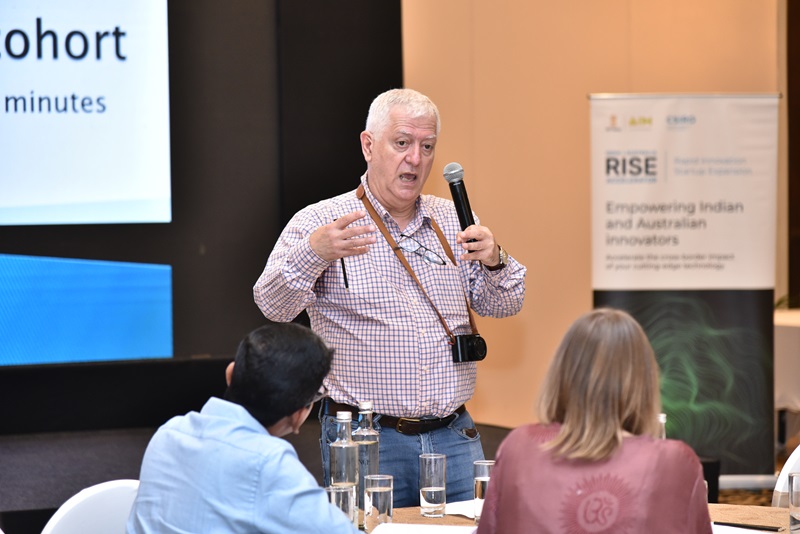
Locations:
(99, 509)
(780, 496)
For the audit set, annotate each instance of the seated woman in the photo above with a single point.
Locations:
(595, 464)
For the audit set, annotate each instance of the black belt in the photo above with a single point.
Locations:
(404, 425)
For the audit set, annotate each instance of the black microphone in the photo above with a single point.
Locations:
(454, 174)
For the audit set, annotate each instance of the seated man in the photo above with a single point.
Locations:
(225, 469)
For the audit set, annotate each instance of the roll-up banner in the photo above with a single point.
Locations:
(683, 238)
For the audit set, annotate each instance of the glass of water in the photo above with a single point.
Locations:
(432, 483)
(378, 497)
(794, 502)
(343, 496)
(483, 471)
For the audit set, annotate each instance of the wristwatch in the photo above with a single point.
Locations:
(503, 260)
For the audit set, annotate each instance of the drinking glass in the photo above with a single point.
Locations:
(343, 496)
(432, 483)
(378, 497)
(483, 470)
(794, 502)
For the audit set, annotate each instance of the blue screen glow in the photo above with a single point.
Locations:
(56, 310)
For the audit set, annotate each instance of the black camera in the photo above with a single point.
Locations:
(469, 348)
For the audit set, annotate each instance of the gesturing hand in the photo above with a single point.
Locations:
(336, 240)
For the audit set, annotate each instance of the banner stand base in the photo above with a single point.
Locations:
(747, 481)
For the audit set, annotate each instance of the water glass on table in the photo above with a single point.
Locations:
(378, 498)
(483, 471)
(794, 502)
(432, 484)
(343, 496)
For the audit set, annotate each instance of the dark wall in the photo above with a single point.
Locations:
(334, 61)
(793, 83)
(267, 98)
(225, 147)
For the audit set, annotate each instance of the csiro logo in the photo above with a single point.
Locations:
(681, 121)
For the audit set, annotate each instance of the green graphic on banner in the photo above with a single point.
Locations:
(715, 367)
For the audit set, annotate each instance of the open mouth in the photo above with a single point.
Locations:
(408, 177)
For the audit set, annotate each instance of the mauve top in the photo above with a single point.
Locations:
(648, 485)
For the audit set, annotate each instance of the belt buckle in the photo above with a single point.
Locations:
(402, 422)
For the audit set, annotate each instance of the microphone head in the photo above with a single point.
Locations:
(453, 173)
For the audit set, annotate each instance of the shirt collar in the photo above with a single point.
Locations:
(422, 213)
(230, 410)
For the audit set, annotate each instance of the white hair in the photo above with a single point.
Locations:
(415, 104)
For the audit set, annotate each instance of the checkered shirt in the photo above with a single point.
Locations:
(389, 345)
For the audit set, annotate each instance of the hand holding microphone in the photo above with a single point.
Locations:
(477, 241)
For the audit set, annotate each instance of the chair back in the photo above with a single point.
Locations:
(99, 509)
(780, 496)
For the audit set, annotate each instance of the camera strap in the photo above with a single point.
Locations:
(361, 194)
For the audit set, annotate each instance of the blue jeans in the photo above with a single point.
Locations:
(399, 456)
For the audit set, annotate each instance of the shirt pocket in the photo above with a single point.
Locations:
(358, 283)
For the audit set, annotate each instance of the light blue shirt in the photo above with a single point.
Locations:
(220, 471)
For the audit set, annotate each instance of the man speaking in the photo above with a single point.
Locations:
(386, 275)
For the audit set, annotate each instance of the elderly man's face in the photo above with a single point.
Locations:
(399, 159)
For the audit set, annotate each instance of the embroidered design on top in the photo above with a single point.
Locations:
(598, 504)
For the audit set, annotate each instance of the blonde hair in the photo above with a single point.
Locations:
(415, 104)
(603, 381)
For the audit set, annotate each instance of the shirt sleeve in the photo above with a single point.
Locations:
(699, 519)
(491, 505)
(286, 286)
(499, 293)
(291, 500)
(679, 470)
(496, 293)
